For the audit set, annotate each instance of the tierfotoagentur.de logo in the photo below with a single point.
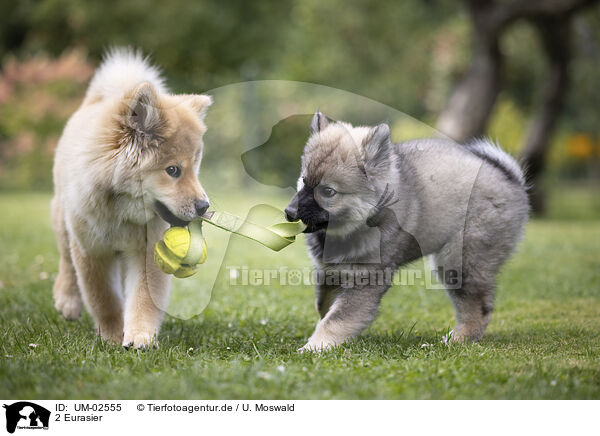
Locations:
(24, 415)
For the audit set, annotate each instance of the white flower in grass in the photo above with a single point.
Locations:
(33, 345)
(281, 369)
(264, 375)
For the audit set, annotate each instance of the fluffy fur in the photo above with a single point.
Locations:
(371, 206)
(126, 164)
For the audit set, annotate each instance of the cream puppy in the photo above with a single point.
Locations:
(125, 167)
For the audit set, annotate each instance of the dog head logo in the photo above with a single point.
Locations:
(274, 162)
(26, 415)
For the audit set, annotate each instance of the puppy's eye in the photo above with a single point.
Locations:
(174, 171)
(328, 192)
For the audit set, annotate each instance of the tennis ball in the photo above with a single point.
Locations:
(165, 259)
(177, 239)
(181, 250)
(185, 271)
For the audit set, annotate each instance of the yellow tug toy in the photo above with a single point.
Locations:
(182, 249)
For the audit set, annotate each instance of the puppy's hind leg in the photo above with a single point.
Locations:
(473, 309)
(67, 298)
(472, 294)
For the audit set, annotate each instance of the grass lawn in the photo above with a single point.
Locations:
(543, 341)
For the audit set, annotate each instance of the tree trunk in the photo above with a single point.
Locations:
(472, 101)
(555, 35)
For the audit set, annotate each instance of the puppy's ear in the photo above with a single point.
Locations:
(376, 146)
(200, 103)
(143, 113)
(319, 122)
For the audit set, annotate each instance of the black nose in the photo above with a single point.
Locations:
(201, 206)
(291, 213)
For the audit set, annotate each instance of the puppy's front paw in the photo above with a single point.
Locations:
(462, 336)
(69, 306)
(68, 303)
(308, 349)
(316, 347)
(140, 340)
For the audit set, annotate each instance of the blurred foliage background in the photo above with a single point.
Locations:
(407, 55)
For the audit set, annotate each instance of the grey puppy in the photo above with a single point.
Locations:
(372, 205)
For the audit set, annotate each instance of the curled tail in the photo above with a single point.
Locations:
(495, 156)
(121, 70)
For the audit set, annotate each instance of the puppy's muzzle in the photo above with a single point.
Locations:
(168, 216)
(304, 207)
(201, 206)
(291, 213)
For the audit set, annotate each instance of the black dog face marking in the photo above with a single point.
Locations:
(304, 207)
